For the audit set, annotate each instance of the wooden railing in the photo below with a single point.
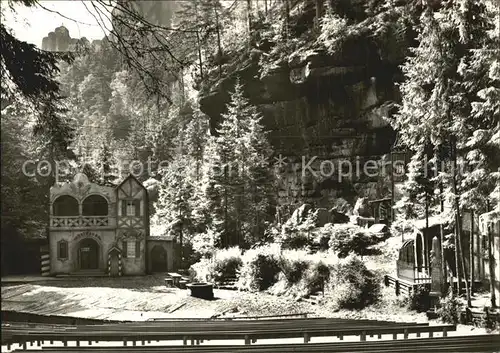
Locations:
(79, 221)
(412, 273)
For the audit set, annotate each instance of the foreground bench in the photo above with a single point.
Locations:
(480, 343)
(249, 336)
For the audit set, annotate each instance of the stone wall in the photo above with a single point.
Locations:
(135, 265)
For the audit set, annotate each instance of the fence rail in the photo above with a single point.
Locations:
(411, 273)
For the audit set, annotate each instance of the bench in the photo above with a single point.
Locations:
(478, 343)
(175, 278)
(234, 332)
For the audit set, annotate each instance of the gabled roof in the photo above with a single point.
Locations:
(130, 176)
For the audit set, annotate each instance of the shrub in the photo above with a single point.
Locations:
(298, 235)
(322, 236)
(316, 276)
(293, 264)
(351, 285)
(204, 243)
(419, 299)
(202, 271)
(226, 263)
(347, 238)
(450, 309)
(223, 264)
(295, 240)
(489, 321)
(260, 268)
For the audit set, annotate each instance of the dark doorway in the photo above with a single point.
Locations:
(159, 259)
(89, 254)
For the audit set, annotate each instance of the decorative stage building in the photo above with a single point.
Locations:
(101, 229)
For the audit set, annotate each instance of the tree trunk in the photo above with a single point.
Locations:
(319, 13)
(225, 208)
(287, 18)
(441, 231)
(491, 263)
(471, 253)
(426, 259)
(219, 45)
(458, 227)
(249, 19)
(199, 54)
(265, 7)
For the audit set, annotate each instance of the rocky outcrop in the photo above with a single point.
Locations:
(324, 109)
(320, 114)
(61, 41)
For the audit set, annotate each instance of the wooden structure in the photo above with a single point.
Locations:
(101, 230)
(475, 343)
(489, 228)
(248, 331)
(381, 210)
(413, 264)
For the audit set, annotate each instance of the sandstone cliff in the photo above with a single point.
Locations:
(323, 107)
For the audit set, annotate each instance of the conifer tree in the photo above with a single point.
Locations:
(238, 179)
(442, 81)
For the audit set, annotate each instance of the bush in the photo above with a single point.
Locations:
(295, 240)
(316, 276)
(260, 268)
(489, 321)
(322, 236)
(202, 271)
(223, 264)
(298, 236)
(293, 264)
(419, 299)
(226, 264)
(347, 238)
(450, 309)
(351, 285)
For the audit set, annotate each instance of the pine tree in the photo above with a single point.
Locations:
(440, 87)
(238, 180)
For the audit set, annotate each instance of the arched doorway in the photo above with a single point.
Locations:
(88, 254)
(159, 259)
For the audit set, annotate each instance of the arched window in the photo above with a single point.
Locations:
(95, 205)
(65, 206)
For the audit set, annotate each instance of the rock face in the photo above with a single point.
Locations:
(326, 120)
(61, 41)
(159, 13)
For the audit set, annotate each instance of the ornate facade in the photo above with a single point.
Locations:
(103, 230)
